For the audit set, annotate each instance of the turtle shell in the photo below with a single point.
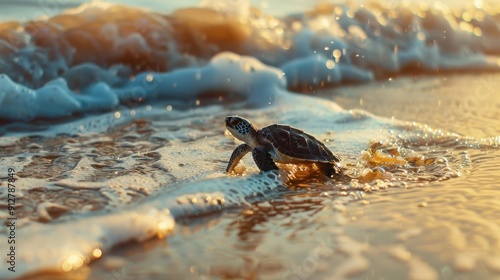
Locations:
(296, 144)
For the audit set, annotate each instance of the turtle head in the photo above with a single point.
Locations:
(242, 129)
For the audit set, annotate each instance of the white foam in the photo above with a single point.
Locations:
(70, 245)
(326, 47)
(229, 73)
(62, 247)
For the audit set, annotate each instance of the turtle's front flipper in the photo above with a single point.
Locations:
(263, 159)
(237, 155)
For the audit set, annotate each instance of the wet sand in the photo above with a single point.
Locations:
(467, 104)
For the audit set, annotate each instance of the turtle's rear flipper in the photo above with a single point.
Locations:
(263, 159)
(330, 169)
(237, 155)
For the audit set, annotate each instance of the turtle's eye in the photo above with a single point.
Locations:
(235, 122)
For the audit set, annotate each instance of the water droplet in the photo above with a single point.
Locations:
(97, 253)
(330, 64)
(193, 269)
(479, 4)
(477, 31)
(466, 16)
(423, 204)
(73, 261)
(337, 54)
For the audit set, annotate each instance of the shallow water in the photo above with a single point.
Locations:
(418, 230)
(123, 177)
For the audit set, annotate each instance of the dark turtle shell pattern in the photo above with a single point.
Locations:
(296, 143)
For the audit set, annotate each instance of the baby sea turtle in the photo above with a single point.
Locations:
(279, 143)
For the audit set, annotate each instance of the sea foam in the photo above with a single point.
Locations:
(61, 248)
